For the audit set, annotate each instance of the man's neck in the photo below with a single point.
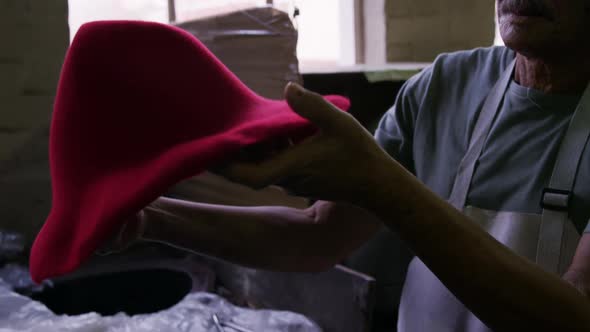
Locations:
(569, 76)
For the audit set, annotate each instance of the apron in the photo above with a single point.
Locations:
(549, 239)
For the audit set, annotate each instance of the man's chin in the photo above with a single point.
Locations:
(530, 42)
(525, 28)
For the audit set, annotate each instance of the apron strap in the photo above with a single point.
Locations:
(556, 198)
(480, 133)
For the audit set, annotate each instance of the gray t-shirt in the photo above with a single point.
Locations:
(428, 129)
(429, 126)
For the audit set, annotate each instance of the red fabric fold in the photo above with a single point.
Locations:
(141, 106)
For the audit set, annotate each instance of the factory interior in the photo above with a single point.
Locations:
(294, 165)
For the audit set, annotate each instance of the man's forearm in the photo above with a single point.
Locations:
(269, 237)
(503, 289)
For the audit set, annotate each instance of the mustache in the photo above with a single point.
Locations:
(526, 8)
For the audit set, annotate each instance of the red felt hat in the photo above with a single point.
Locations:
(141, 106)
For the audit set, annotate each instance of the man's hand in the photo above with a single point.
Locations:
(341, 162)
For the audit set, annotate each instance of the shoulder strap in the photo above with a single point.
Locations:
(556, 198)
(478, 137)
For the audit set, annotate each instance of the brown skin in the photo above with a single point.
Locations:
(551, 40)
(344, 164)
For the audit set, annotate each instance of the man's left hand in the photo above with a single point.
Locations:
(342, 162)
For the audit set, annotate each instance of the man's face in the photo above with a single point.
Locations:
(541, 28)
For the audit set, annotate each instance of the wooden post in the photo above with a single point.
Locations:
(359, 30)
(171, 11)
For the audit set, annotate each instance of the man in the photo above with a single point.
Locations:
(491, 132)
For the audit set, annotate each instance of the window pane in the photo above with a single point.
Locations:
(82, 11)
(320, 23)
(319, 32)
(191, 9)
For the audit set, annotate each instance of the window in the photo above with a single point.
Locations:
(327, 32)
(324, 26)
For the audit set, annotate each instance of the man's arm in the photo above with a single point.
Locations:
(343, 163)
(506, 291)
(269, 237)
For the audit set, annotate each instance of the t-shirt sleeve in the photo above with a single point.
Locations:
(587, 229)
(396, 128)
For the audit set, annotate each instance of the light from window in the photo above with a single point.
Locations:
(320, 23)
(326, 27)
